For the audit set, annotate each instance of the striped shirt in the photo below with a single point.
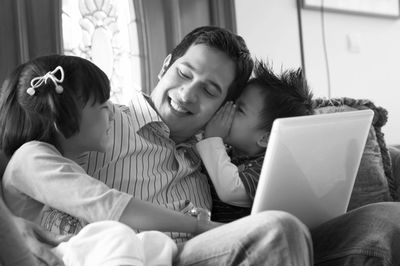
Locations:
(144, 162)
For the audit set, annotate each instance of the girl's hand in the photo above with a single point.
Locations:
(40, 241)
(220, 124)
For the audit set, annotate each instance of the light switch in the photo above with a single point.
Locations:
(354, 42)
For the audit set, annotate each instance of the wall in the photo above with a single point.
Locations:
(367, 71)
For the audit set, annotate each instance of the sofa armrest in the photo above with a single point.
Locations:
(395, 158)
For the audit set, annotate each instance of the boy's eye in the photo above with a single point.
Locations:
(210, 91)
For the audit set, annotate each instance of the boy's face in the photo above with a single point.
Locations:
(192, 89)
(245, 132)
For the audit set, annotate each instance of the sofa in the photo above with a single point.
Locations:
(378, 177)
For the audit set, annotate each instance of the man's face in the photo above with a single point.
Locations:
(192, 89)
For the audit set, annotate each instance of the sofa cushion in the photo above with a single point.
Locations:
(374, 179)
(395, 156)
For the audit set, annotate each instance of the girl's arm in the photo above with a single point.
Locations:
(38, 170)
(223, 173)
(144, 215)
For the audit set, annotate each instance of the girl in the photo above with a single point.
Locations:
(53, 109)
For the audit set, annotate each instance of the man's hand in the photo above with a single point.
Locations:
(203, 226)
(220, 124)
(40, 241)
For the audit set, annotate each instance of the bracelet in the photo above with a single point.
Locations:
(201, 214)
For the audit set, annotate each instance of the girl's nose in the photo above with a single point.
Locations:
(110, 112)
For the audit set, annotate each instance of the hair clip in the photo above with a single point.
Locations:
(38, 81)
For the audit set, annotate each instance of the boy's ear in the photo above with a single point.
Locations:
(263, 140)
(165, 66)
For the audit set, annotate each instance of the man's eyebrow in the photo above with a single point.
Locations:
(213, 83)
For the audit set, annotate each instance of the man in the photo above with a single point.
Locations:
(153, 156)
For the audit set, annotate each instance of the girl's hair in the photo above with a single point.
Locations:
(25, 117)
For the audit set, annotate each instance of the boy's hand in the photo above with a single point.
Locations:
(220, 124)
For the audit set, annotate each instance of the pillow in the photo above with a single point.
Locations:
(373, 181)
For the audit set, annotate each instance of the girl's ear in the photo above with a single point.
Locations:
(263, 140)
(165, 66)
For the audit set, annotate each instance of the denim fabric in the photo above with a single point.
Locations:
(268, 238)
(369, 235)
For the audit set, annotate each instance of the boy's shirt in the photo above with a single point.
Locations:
(247, 169)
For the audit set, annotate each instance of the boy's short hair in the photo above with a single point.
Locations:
(227, 42)
(286, 95)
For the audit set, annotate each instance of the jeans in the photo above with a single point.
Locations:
(369, 235)
(268, 238)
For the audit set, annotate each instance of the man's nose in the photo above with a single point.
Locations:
(189, 92)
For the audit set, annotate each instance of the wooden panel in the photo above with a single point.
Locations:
(28, 29)
(193, 14)
(43, 18)
(154, 19)
(8, 39)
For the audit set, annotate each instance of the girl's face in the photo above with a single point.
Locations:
(94, 129)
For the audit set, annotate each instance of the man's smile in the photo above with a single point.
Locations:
(178, 108)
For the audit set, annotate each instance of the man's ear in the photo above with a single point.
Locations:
(165, 66)
(263, 140)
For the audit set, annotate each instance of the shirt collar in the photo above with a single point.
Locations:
(143, 110)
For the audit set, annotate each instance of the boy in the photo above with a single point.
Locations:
(245, 126)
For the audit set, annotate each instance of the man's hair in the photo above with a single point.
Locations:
(25, 117)
(285, 95)
(227, 42)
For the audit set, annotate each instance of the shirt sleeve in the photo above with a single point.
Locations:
(249, 173)
(223, 173)
(43, 174)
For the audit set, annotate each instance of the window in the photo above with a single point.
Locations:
(105, 32)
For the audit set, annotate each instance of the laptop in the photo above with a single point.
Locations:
(311, 164)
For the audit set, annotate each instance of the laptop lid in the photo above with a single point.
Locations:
(311, 164)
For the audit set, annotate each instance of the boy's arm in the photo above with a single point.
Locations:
(224, 174)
